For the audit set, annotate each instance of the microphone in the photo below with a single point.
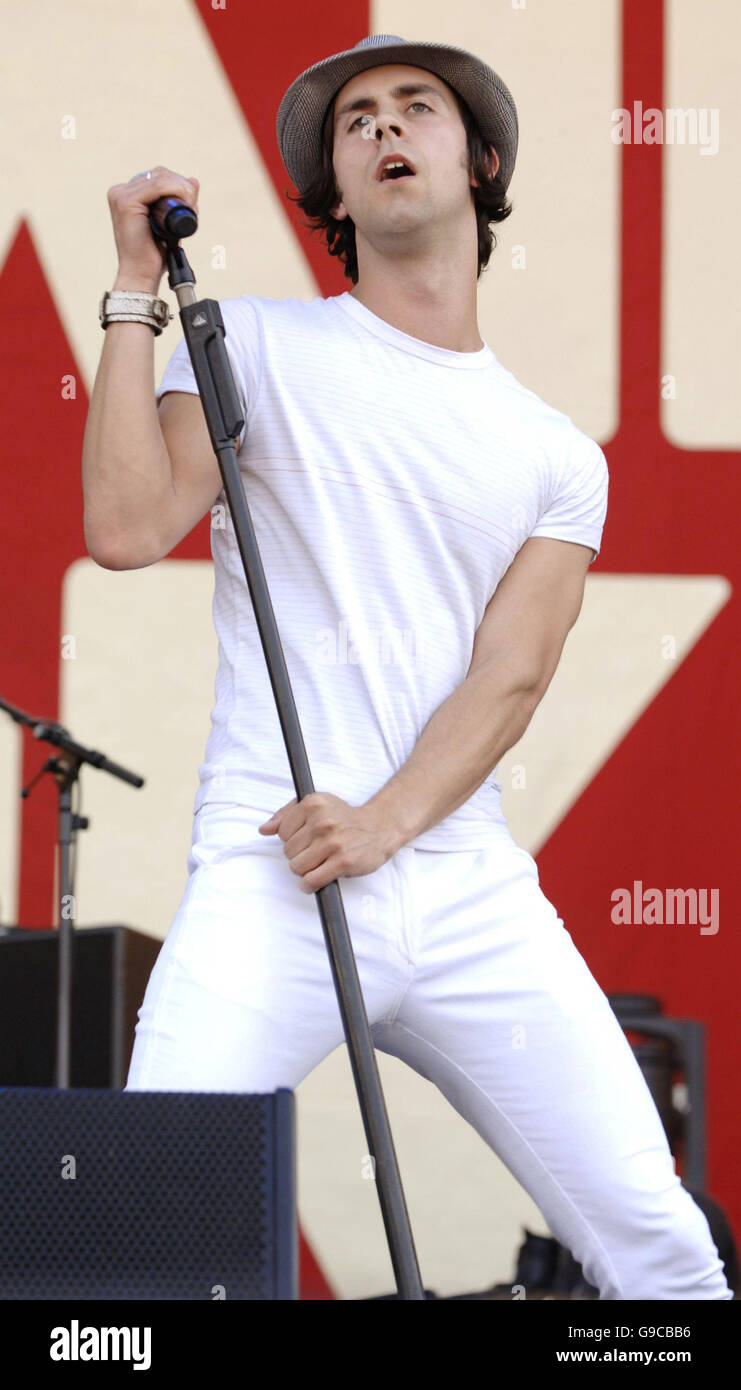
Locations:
(170, 219)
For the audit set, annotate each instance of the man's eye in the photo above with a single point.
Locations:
(366, 118)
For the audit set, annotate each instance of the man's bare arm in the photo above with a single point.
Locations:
(516, 651)
(149, 472)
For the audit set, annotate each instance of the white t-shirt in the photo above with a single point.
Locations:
(390, 483)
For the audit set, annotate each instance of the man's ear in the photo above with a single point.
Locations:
(339, 211)
(492, 160)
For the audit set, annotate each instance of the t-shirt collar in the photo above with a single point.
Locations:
(483, 357)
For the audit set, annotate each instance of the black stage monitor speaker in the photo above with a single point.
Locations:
(147, 1195)
(110, 969)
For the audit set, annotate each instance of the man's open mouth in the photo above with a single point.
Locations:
(395, 167)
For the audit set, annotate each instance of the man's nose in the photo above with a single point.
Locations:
(391, 125)
(376, 127)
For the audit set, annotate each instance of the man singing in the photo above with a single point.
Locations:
(426, 524)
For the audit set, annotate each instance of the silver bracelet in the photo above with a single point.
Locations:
(134, 306)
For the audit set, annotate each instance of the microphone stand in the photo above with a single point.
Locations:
(66, 772)
(204, 331)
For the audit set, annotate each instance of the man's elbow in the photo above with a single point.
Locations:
(509, 675)
(530, 678)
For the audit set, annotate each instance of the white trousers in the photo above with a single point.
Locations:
(470, 977)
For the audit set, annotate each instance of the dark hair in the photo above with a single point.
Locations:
(322, 194)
